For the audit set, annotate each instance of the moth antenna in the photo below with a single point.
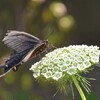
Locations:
(48, 30)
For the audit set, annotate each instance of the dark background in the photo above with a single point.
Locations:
(63, 23)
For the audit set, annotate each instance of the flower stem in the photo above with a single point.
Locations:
(78, 88)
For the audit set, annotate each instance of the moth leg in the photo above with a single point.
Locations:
(40, 56)
(46, 51)
(15, 68)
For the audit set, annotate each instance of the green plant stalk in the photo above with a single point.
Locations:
(78, 88)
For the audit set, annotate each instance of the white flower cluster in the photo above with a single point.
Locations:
(67, 60)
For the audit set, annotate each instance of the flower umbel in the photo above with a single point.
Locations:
(67, 63)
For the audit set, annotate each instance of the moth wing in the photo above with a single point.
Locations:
(14, 60)
(20, 41)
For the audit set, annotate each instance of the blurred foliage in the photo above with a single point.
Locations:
(62, 22)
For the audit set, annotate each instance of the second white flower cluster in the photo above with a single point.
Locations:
(67, 60)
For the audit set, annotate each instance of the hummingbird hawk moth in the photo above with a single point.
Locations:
(24, 47)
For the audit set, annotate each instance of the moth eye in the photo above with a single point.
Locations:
(6, 65)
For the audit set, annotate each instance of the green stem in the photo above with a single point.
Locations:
(78, 88)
